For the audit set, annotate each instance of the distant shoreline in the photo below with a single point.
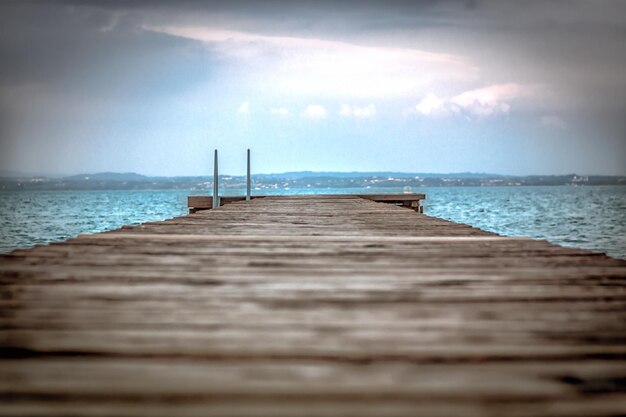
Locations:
(299, 181)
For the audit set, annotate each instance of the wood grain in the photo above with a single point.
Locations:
(311, 305)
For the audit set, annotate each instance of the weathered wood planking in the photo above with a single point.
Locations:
(311, 305)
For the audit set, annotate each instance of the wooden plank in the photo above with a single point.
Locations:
(311, 305)
(206, 202)
(283, 238)
(393, 197)
(408, 199)
(200, 202)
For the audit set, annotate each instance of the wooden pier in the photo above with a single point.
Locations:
(311, 305)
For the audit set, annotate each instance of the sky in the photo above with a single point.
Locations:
(496, 86)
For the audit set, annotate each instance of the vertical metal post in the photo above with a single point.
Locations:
(248, 179)
(216, 197)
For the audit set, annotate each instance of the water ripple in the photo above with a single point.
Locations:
(591, 217)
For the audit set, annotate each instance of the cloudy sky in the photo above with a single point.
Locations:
(510, 87)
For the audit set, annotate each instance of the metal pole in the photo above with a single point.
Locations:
(248, 179)
(216, 197)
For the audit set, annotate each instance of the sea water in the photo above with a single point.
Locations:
(591, 217)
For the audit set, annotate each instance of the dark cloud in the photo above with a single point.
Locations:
(90, 50)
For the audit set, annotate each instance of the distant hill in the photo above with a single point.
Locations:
(107, 176)
(383, 174)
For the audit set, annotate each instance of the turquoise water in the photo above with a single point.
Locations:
(587, 217)
(31, 218)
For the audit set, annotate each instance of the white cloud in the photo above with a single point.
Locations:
(481, 102)
(315, 112)
(553, 122)
(345, 110)
(244, 108)
(364, 112)
(279, 111)
(431, 105)
(358, 112)
(487, 101)
(317, 67)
